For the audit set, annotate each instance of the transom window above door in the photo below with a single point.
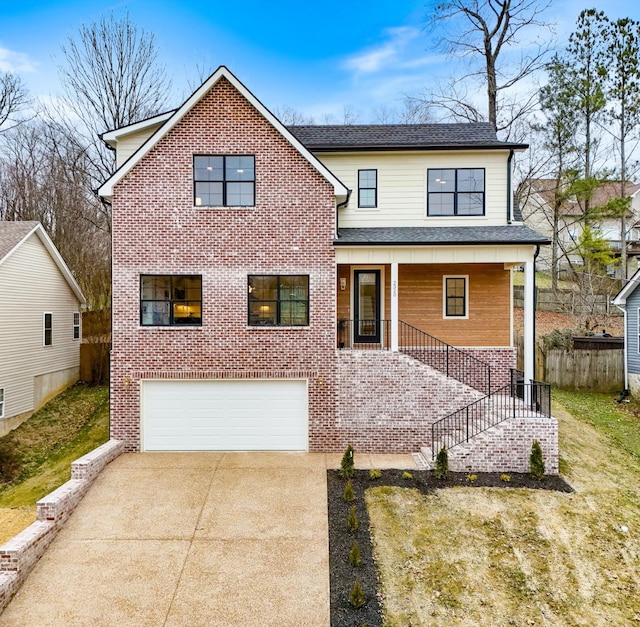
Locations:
(224, 181)
(455, 192)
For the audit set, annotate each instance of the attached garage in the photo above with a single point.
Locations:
(224, 415)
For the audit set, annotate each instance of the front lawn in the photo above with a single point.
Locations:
(490, 556)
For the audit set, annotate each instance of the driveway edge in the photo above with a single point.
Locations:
(20, 554)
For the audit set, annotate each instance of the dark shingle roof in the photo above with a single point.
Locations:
(11, 233)
(399, 137)
(441, 235)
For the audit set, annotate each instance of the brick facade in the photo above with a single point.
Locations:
(157, 230)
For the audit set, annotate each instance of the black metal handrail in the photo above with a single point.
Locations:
(364, 334)
(516, 398)
(448, 359)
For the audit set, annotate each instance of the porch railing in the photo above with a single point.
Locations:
(455, 363)
(515, 399)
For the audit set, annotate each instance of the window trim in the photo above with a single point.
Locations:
(445, 296)
(278, 324)
(45, 328)
(224, 181)
(170, 301)
(77, 335)
(455, 195)
(3, 400)
(638, 332)
(375, 190)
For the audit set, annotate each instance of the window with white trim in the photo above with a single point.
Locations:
(455, 291)
(368, 188)
(47, 328)
(1, 402)
(76, 325)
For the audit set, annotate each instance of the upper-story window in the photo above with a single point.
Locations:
(224, 181)
(47, 328)
(367, 188)
(167, 300)
(455, 192)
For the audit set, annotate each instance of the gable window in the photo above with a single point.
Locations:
(1, 402)
(224, 181)
(456, 298)
(47, 329)
(367, 188)
(455, 192)
(168, 300)
(278, 300)
(76, 325)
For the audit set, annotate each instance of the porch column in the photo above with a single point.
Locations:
(394, 306)
(529, 328)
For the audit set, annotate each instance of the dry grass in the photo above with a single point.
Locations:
(486, 556)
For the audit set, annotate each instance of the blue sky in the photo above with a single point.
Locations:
(313, 56)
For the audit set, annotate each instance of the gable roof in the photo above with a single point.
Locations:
(457, 136)
(14, 234)
(106, 189)
(620, 298)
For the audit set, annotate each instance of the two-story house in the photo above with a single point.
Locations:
(308, 287)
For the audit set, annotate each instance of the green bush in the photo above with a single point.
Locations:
(407, 475)
(348, 494)
(562, 338)
(352, 519)
(347, 466)
(442, 464)
(374, 473)
(354, 554)
(356, 598)
(536, 461)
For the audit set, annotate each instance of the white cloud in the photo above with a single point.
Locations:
(11, 61)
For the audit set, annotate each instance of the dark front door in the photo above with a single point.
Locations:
(366, 303)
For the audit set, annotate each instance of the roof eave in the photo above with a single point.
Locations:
(339, 242)
(403, 148)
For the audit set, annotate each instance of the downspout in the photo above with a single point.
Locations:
(535, 306)
(625, 391)
(509, 195)
(339, 206)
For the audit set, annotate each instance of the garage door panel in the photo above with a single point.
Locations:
(224, 415)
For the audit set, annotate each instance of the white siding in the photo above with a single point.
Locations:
(402, 186)
(128, 144)
(30, 284)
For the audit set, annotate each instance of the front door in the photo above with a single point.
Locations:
(366, 305)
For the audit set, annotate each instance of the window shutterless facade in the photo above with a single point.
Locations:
(278, 300)
(455, 192)
(76, 325)
(224, 181)
(368, 188)
(456, 297)
(170, 300)
(1, 402)
(47, 328)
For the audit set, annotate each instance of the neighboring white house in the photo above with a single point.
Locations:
(40, 320)
(537, 210)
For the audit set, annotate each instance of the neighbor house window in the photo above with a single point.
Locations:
(167, 300)
(76, 325)
(1, 402)
(455, 192)
(224, 181)
(455, 296)
(278, 300)
(367, 188)
(47, 329)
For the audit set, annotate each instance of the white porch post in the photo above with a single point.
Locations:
(394, 306)
(529, 340)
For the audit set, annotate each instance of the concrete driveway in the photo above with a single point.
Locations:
(189, 539)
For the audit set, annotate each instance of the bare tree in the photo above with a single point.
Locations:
(14, 98)
(291, 117)
(491, 35)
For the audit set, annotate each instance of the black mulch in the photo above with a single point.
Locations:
(343, 575)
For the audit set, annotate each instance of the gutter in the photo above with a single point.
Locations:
(339, 206)
(509, 193)
(535, 306)
(626, 373)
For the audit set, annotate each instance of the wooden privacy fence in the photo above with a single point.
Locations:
(589, 370)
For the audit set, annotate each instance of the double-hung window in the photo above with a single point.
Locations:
(455, 192)
(278, 300)
(456, 297)
(170, 300)
(224, 181)
(367, 188)
(1, 402)
(47, 329)
(76, 325)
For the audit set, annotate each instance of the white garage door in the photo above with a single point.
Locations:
(224, 415)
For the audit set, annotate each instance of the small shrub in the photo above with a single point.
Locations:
(536, 461)
(354, 554)
(472, 478)
(407, 475)
(442, 464)
(352, 519)
(347, 465)
(10, 463)
(348, 494)
(505, 477)
(356, 598)
(374, 473)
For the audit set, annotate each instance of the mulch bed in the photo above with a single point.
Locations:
(343, 575)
